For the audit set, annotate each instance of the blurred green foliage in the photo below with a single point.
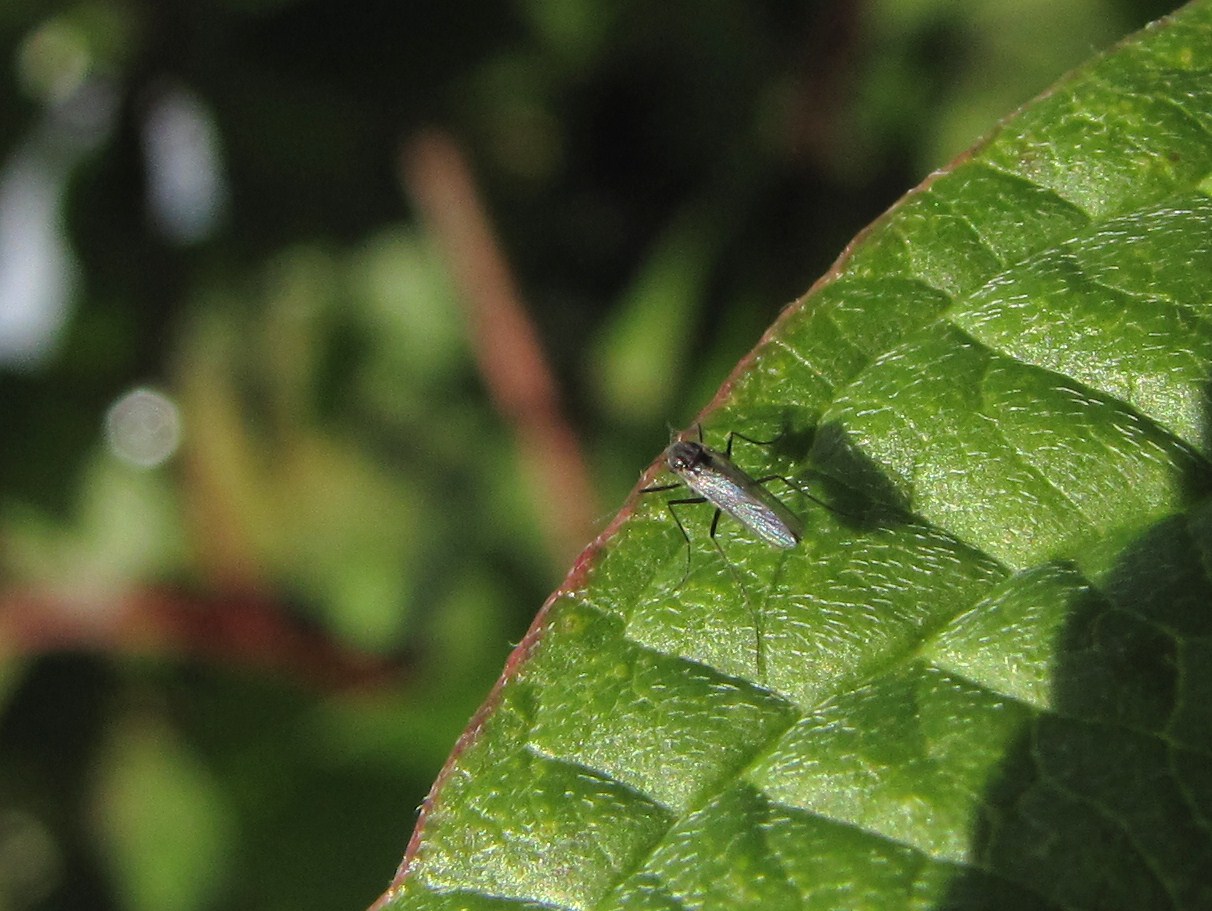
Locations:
(663, 177)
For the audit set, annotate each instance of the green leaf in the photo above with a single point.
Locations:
(984, 679)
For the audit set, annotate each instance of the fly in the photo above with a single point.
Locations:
(717, 480)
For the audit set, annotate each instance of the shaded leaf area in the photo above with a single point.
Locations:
(984, 678)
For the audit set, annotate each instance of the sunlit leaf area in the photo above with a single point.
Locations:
(331, 334)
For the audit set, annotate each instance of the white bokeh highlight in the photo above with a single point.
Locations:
(143, 428)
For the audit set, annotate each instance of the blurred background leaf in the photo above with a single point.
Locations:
(265, 539)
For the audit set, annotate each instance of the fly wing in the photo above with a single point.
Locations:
(770, 519)
(747, 501)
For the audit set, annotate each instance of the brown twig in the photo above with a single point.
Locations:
(437, 178)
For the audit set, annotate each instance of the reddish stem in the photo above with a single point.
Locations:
(437, 177)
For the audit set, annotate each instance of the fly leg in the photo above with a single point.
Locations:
(773, 477)
(732, 434)
(756, 612)
(759, 638)
(686, 501)
(792, 485)
(681, 501)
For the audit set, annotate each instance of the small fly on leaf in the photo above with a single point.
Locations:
(716, 479)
